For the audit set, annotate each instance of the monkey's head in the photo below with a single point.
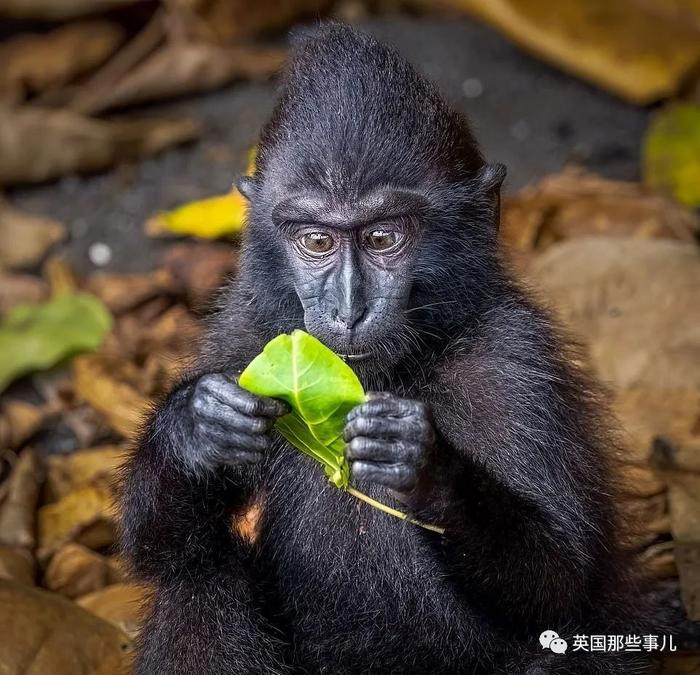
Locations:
(372, 212)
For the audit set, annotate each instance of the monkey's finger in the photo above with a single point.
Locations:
(226, 439)
(374, 450)
(387, 427)
(395, 476)
(227, 391)
(390, 406)
(211, 410)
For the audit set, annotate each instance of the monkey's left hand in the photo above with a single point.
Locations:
(389, 441)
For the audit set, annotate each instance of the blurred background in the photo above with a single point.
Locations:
(123, 126)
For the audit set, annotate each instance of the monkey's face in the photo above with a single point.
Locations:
(351, 264)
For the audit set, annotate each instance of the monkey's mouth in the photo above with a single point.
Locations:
(362, 356)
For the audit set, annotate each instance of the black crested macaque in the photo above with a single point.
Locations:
(373, 225)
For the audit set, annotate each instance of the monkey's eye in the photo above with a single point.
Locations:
(316, 242)
(382, 240)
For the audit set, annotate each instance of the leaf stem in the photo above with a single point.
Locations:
(392, 512)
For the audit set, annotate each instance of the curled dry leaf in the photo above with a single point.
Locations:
(20, 289)
(180, 68)
(56, 636)
(121, 293)
(25, 238)
(18, 510)
(34, 63)
(576, 203)
(121, 604)
(660, 561)
(75, 570)
(199, 269)
(96, 467)
(85, 516)
(640, 481)
(19, 421)
(645, 62)
(17, 564)
(38, 144)
(121, 404)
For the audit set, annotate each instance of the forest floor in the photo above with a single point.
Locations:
(526, 114)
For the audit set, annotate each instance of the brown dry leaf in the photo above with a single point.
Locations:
(659, 560)
(121, 404)
(18, 510)
(680, 665)
(25, 238)
(688, 562)
(679, 464)
(200, 269)
(681, 12)
(180, 68)
(121, 604)
(247, 524)
(637, 55)
(45, 634)
(38, 144)
(120, 293)
(19, 421)
(640, 481)
(30, 64)
(56, 10)
(20, 289)
(17, 564)
(646, 516)
(576, 203)
(75, 570)
(228, 20)
(684, 504)
(95, 467)
(634, 302)
(86, 516)
(647, 412)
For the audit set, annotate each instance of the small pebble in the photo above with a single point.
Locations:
(472, 87)
(100, 254)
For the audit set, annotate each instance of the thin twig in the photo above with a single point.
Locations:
(392, 512)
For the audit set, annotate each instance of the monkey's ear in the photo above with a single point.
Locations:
(246, 186)
(491, 177)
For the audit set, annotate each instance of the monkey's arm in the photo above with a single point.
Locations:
(518, 481)
(178, 504)
(503, 452)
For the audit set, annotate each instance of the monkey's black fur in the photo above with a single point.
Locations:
(508, 453)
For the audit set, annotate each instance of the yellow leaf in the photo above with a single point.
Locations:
(209, 218)
(671, 155)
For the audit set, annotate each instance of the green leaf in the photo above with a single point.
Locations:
(320, 388)
(37, 337)
(671, 153)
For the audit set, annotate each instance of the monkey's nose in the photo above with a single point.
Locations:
(348, 316)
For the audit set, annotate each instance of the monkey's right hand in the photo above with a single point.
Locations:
(231, 425)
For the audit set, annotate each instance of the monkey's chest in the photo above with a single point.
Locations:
(357, 586)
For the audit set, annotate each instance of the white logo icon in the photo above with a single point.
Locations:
(551, 640)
